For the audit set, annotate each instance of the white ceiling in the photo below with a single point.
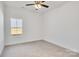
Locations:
(21, 4)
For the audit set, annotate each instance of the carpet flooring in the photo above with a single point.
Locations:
(39, 48)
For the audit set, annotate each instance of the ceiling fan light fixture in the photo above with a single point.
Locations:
(37, 6)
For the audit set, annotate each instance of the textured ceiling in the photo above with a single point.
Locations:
(21, 4)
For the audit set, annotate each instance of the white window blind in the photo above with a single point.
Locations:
(16, 26)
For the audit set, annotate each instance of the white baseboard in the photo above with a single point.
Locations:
(62, 45)
(45, 40)
(20, 42)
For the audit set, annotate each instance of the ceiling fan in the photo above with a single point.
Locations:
(38, 4)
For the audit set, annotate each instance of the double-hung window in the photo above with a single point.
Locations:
(16, 26)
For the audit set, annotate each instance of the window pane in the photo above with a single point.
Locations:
(19, 23)
(13, 22)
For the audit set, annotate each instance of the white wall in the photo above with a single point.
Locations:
(61, 26)
(31, 25)
(1, 28)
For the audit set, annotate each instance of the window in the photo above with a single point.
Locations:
(16, 26)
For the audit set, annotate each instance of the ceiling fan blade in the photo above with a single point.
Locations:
(44, 5)
(42, 1)
(29, 4)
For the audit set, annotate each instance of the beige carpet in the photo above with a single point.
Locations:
(37, 49)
